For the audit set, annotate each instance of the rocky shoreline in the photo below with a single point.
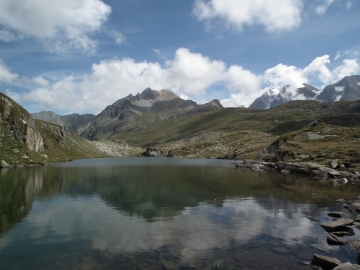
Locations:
(314, 170)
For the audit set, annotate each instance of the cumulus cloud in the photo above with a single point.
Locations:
(59, 24)
(282, 75)
(274, 15)
(190, 75)
(6, 75)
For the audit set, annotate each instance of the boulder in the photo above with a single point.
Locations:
(334, 164)
(354, 245)
(325, 262)
(4, 164)
(331, 226)
(334, 174)
(153, 152)
(345, 231)
(333, 239)
(347, 266)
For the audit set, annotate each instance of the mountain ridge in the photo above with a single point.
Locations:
(136, 112)
(346, 89)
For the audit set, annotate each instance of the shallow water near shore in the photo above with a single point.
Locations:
(163, 213)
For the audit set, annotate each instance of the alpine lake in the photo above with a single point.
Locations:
(165, 213)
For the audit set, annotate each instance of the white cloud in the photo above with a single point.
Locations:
(6, 75)
(190, 75)
(282, 75)
(323, 6)
(349, 67)
(66, 23)
(348, 54)
(8, 36)
(117, 36)
(274, 15)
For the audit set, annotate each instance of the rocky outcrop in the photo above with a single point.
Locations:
(153, 152)
(4, 164)
(19, 124)
(34, 141)
(307, 168)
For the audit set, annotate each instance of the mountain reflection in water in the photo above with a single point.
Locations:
(156, 213)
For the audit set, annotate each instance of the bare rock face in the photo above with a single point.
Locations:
(33, 140)
(19, 124)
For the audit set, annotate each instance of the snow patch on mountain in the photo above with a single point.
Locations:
(339, 88)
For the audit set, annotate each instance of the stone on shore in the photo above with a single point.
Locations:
(354, 245)
(333, 239)
(331, 226)
(325, 262)
(4, 164)
(347, 266)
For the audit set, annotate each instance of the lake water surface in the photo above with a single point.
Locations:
(162, 213)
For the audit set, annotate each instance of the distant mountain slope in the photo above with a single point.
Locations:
(347, 89)
(73, 122)
(140, 111)
(48, 116)
(24, 140)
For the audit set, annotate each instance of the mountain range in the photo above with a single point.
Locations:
(347, 89)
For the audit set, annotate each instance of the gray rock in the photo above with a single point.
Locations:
(334, 174)
(354, 245)
(153, 152)
(334, 164)
(347, 266)
(325, 262)
(345, 231)
(331, 226)
(168, 265)
(4, 164)
(333, 239)
(218, 264)
(336, 214)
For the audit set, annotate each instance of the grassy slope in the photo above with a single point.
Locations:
(219, 132)
(57, 148)
(342, 143)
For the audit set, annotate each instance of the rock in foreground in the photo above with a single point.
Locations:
(325, 262)
(331, 226)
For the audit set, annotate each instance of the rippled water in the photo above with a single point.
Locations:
(158, 213)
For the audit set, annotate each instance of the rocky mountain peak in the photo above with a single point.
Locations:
(346, 89)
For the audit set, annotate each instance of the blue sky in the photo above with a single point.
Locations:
(82, 55)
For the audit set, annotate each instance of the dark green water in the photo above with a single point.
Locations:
(158, 213)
